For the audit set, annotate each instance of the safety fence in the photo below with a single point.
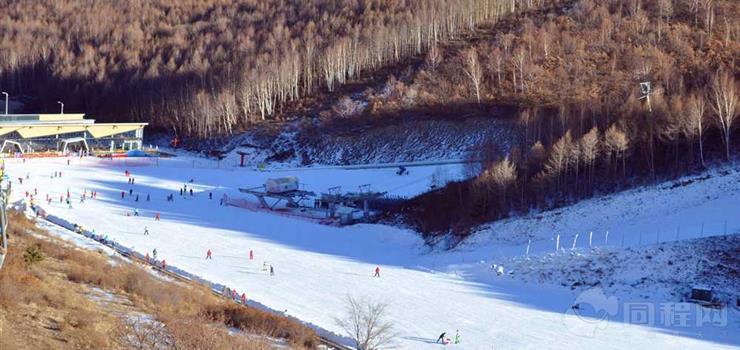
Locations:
(585, 241)
(327, 338)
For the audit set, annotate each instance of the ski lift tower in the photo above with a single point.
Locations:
(646, 90)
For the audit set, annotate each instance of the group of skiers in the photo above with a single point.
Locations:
(185, 190)
(265, 265)
(446, 340)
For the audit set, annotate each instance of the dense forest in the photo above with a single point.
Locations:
(591, 124)
(204, 68)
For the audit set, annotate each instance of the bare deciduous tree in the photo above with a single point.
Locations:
(473, 70)
(695, 125)
(366, 323)
(617, 143)
(590, 150)
(559, 155)
(434, 57)
(724, 103)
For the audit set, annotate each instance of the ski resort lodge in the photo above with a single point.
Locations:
(39, 133)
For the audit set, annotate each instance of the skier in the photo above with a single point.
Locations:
(244, 298)
(377, 271)
(156, 217)
(130, 192)
(136, 212)
(147, 197)
(208, 255)
(154, 253)
(123, 194)
(441, 337)
(133, 180)
(210, 195)
(272, 271)
(457, 337)
(164, 265)
(251, 255)
(146, 231)
(137, 198)
(146, 257)
(61, 198)
(181, 192)
(191, 192)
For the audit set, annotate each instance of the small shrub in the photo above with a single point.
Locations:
(33, 255)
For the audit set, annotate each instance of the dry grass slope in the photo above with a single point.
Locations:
(46, 305)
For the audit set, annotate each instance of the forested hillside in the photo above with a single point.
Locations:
(576, 76)
(204, 68)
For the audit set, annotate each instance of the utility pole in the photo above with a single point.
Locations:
(62, 111)
(6, 102)
(646, 90)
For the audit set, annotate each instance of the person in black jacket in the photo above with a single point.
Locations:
(441, 337)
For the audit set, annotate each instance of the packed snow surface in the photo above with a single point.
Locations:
(428, 291)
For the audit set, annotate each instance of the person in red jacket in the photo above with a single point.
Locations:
(208, 255)
(244, 298)
(377, 271)
(251, 255)
(164, 265)
(156, 217)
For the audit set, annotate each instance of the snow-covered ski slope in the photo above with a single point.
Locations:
(317, 266)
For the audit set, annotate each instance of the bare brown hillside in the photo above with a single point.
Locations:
(56, 296)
